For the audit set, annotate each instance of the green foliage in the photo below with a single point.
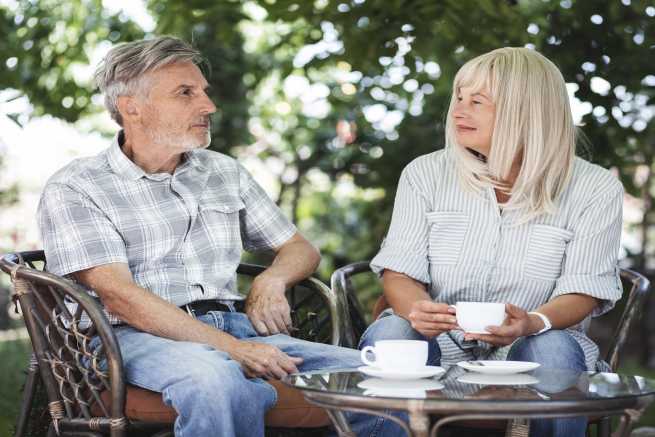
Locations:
(44, 42)
(15, 355)
(395, 54)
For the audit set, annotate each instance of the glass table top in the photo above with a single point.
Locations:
(542, 384)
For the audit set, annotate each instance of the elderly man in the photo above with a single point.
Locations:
(155, 226)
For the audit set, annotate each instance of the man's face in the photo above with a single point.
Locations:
(474, 117)
(176, 109)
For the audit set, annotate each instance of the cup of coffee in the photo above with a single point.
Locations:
(474, 317)
(396, 354)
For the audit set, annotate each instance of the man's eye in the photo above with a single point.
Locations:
(186, 92)
(477, 102)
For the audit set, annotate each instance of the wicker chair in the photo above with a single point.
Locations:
(636, 285)
(83, 399)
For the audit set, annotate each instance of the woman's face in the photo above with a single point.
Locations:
(473, 118)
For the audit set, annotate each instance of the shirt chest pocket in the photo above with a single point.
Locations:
(545, 254)
(447, 233)
(220, 219)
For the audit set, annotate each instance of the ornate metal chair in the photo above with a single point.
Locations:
(635, 284)
(85, 400)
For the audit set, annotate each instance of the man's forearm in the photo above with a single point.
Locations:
(295, 261)
(147, 312)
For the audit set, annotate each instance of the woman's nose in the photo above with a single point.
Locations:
(459, 112)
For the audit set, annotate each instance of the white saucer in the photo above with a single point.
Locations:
(395, 388)
(422, 372)
(499, 367)
(517, 379)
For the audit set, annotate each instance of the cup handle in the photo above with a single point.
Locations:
(363, 353)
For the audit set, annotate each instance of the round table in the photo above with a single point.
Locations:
(460, 395)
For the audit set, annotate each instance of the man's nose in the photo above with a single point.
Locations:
(208, 106)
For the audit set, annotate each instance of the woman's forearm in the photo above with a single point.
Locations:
(566, 310)
(401, 292)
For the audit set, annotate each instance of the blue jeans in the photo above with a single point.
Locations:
(552, 349)
(207, 388)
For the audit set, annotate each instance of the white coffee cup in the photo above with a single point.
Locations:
(397, 354)
(474, 317)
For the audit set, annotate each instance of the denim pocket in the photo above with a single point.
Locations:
(217, 319)
(238, 325)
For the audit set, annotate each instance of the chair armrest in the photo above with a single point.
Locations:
(61, 338)
(298, 303)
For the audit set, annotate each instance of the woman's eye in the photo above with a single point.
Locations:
(477, 102)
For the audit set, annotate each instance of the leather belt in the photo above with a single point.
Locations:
(202, 307)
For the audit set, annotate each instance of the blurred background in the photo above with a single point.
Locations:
(324, 102)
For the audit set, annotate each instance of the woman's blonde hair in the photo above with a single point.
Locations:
(533, 123)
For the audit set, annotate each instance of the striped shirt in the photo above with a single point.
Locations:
(182, 235)
(462, 245)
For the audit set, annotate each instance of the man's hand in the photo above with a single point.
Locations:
(263, 360)
(431, 318)
(518, 323)
(267, 306)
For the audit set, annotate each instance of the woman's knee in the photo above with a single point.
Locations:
(556, 348)
(390, 327)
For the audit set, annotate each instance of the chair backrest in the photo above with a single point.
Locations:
(73, 372)
(342, 285)
(634, 302)
(633, 297)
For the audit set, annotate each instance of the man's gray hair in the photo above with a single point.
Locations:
(122, 71)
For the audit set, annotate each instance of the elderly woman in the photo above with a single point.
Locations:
(505, 213)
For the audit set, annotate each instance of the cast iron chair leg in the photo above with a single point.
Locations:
(31, 385)
(604, 427)
(51, 431)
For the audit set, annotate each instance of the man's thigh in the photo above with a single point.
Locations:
(155, 363)
(316, 356)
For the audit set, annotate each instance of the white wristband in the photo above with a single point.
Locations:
(547, 324)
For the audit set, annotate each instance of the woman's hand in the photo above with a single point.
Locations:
(431, 318)
(518, 323)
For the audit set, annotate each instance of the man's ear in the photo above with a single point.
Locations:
(128, 107)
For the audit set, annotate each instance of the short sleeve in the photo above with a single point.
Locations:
(76, 233)
(405, 249)
(590, 265)
(263, 225)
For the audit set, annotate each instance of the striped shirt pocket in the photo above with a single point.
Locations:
(545, 254)
(447, 232)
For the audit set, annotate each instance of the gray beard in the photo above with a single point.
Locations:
(186, 142)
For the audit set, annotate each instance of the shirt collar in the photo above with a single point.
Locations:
(122, 165)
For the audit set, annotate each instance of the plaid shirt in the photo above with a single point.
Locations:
(181, 235)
